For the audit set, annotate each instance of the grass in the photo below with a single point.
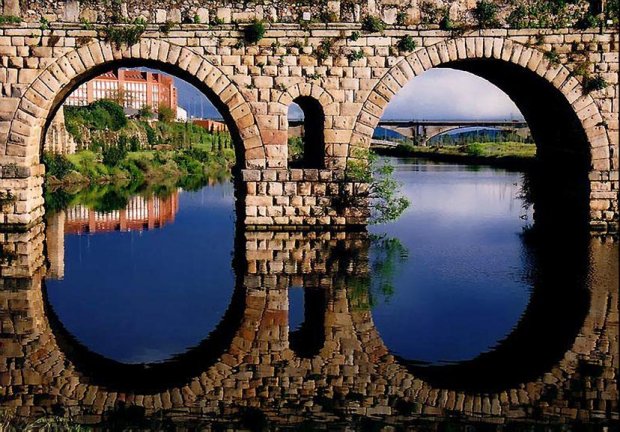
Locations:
(485, 152)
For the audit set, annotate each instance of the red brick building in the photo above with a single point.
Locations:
(136, 88)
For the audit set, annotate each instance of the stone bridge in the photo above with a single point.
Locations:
(558, 366)
(422, 131)
(342, 74)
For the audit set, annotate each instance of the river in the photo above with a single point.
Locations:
(458, 312)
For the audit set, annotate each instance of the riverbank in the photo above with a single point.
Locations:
(506, 155)
(87, 168)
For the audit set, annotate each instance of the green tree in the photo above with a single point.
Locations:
(146, 112)
(374, 183)
(166, 114)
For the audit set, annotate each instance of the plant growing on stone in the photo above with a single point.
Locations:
(355, 55)
(166, 27)
(44, 24)
(324, 50)
(430, 13)
(486, 14)
(354, 36)
(594, 83)
(196, 19)
(374, 184)
(407, 44)
(254, 32)
(587, 21)
(518, 17)
(328, 17)
(128, 36)
(552, 56)
(401, 18)
(10, 19)
(373, 24)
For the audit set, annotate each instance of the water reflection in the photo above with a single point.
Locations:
(295, 335)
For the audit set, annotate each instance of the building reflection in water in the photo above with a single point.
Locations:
(252, 368)
(141, 213)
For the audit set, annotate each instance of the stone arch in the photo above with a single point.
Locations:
(325, 100)
(572, 115)
(44, 96)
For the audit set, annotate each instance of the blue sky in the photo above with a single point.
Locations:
(439, 94)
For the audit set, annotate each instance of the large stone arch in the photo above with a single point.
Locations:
(552, 100)
(46, 93)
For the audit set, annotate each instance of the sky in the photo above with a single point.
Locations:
(438, 94)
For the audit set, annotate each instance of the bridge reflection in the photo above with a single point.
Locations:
(559, 364)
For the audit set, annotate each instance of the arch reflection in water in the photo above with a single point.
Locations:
(144, 295)
(257, 368)
(255, 365)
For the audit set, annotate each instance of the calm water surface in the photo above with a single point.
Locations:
(459, 283)
(458, 311)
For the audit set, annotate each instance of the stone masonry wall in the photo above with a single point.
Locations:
(303, 198)
(256, 83)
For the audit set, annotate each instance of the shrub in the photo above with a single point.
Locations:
(128, 36)
(486, 13)
(401, 18)
(324, 50)
(166, 114)
(146, 112)
(552, 56)
(355, 55)
(354, 36)
(113, 154)
(407, 44)
(373, 24)
(100, 115)
(134, 144)
(517, 19)
(254, 32)
(474, 149)
(594, 83)
(10, 19)
(587, 21)
(57, 165)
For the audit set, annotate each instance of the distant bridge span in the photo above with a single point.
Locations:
(422, 131)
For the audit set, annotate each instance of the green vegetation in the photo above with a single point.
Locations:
(165, 114)
(117, 150)
(295, 150)
(373, 24)
(128, 36)
(594, 83)
(354, 36)
(324, 50)
(100, 115)
(486, 13)
(373, 182)
(387, 258)
(254, 32)
(480, 152)
(355, 55)
(552, 56)
(9, 19)
(407, 44)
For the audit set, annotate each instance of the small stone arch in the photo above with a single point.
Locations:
(44, 96)
(316, 99)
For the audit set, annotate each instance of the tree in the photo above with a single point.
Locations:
(146, 112)
(374, 184)
(166, 114)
